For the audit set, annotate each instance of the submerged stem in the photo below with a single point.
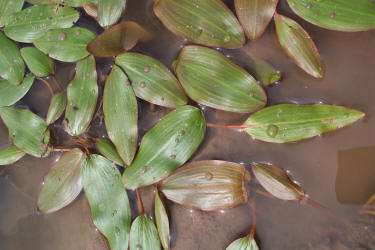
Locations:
(56, 82)
(140, 202)
(254, 219)
(316, 205)
(48, 85)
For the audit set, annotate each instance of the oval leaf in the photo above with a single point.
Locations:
(63, 183)
(109, 11)
(108, 150)
(265, 73)
(291, 122)
(56, 108)
(162, 221)
(166, 146)
(91, 10)
(207, 185)
(38, 63)
(121, 114)
(10, 155)
(298, 45)
(151, 80)
(10, 94)
(255, 15)
(211, 79)
(8, 7)
(108, 200)
(67, 45)
(75, 3)
(207, 22)
(340, 15)
(143, 234)
(245, 243)
(31, 23)
(82, 95)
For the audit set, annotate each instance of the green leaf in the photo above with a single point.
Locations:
(62, 184)
(143, 234)
(165, 147)
(28, 131)
(211, 79)
(265, 73)
(245, 243)
(10, 155)
(56, 108)
(40, 2)
(110, 209)
(152, 80)
(76, 3)
(162, 221)
(109, 11)
(33, 22)
(207, 185)
(12, 67)
(207, 22)
(82, 95)
(8, 7)
(121, 114)
(10, 94)
(298, 45)
(291, 122)
(255, 15)
(67, 45)
(108, 150)
(38, 63)
(340, 15)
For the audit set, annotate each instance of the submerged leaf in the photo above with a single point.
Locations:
(8, 7)
(162, 221)
(143, 234)
(165, 147)
(298, 45)
(211, 79)
(265, 73)
(10, 94)
(245, 243)
(108, 150)
(207, 185)
(38, 62)
(10, 155)
(63, 183)
(151, 80)
(207, 22)
(109, 11)
(291, 122)
(56, 108)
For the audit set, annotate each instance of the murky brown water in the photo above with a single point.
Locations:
(337, 169)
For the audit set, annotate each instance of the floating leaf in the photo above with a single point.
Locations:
(82, 95)
(91, 10)
(10, 94)
(118, 39)
(67, 45)
(207, 22)
(151, 80)
(298, 45)
(10, 155)
(108, 200)
(143, 234)
(166, 146)
(28, 131)
(75, 3)
(108, 150)
(207, 185)
(245, 243)
(12, 67)
(255, 15)
(266, 73)
(109, 11)
(121, 114)
(56, 108)
(8, 7)
(33, 22)
(162, 221)
(62, 184)
(340, 15)
(38, 62)
(211, 79)
(291, 122)
(40, 2)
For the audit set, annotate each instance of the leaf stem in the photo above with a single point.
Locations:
(316, 205)
(61, 149)
(48, 85)
(56, 82)
(140, 202)
(212, 125)
(254, 219)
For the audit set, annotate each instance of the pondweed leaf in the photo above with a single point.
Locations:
(91, 9)
(33, 22)
(66, 45)
(38, 63)
(40, 2)
(245, 243)
(75, 3)
(151, 80)
(108, 200)
(209, 78)
(120, 110)
(8, 7)
(109, 11)
(108, 150)
(291, 122)
(265, 73)
(207, 185)
(162, 221)
(298, 45)
(143, 234)
(165, 147)
(82, 95)
(27, 130)
(56, 107)
(10, 155)
(340, 15)
(10, 94)
(62, 184)
(207, 22)
(12, 67)
(255, 15)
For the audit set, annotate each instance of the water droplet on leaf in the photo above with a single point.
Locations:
(146, 69)
(272, 130)
(62, 36)
(143, 84)
(309, 5)
(209, 176)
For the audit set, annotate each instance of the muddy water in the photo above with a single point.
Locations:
(336, 169)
